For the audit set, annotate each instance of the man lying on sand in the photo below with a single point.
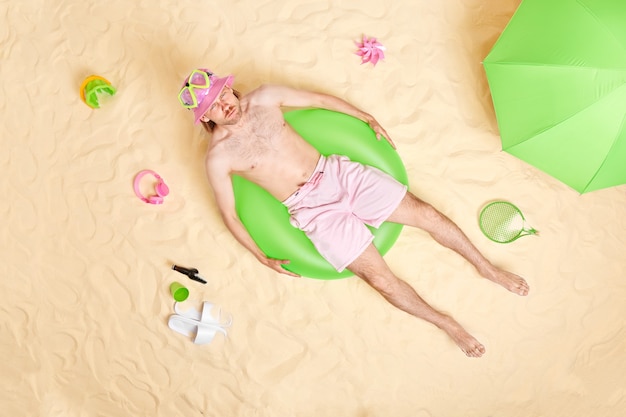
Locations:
(330, 198)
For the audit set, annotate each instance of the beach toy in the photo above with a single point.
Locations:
(93, 87)
(502, 222)
(202, 325)
(179, 291)
(267, 219)
(161, 189)
(370, 50)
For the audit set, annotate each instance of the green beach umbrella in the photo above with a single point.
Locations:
(557, 76)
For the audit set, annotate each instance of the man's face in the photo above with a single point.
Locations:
(225, 110)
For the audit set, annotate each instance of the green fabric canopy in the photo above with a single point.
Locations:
(557, 76)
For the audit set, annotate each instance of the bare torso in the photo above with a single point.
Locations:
(264, 149)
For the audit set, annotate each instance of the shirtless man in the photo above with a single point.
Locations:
(250, 138)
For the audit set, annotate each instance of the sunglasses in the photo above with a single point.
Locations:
(197, 80)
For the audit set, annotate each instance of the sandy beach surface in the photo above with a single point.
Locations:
(86, 265)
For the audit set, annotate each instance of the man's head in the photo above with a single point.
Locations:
(208, 96)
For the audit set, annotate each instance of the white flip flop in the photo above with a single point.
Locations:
(205, 315)
(204, 333)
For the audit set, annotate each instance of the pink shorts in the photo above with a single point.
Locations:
(337, 202)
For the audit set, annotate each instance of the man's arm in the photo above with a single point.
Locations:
(221, 183)
(284, 96)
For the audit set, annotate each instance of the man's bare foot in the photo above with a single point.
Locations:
(468, 344)
(509, 280)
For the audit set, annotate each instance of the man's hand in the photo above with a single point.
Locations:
(380, 132)
(277, 265)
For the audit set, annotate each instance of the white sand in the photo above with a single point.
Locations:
(85, 264)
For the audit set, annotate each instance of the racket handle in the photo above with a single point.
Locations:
(531, 231)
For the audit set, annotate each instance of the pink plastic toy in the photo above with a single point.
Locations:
(370, 50)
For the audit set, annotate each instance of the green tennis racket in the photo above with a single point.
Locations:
(502, 222)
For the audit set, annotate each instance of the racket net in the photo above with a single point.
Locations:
(503, 222)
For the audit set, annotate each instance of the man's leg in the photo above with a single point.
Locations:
(371, 267)
(414, 212)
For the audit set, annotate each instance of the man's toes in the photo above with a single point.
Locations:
(479, 351)
(523, 289)
(475, 351)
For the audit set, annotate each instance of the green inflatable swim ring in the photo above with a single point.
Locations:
(267, 220)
